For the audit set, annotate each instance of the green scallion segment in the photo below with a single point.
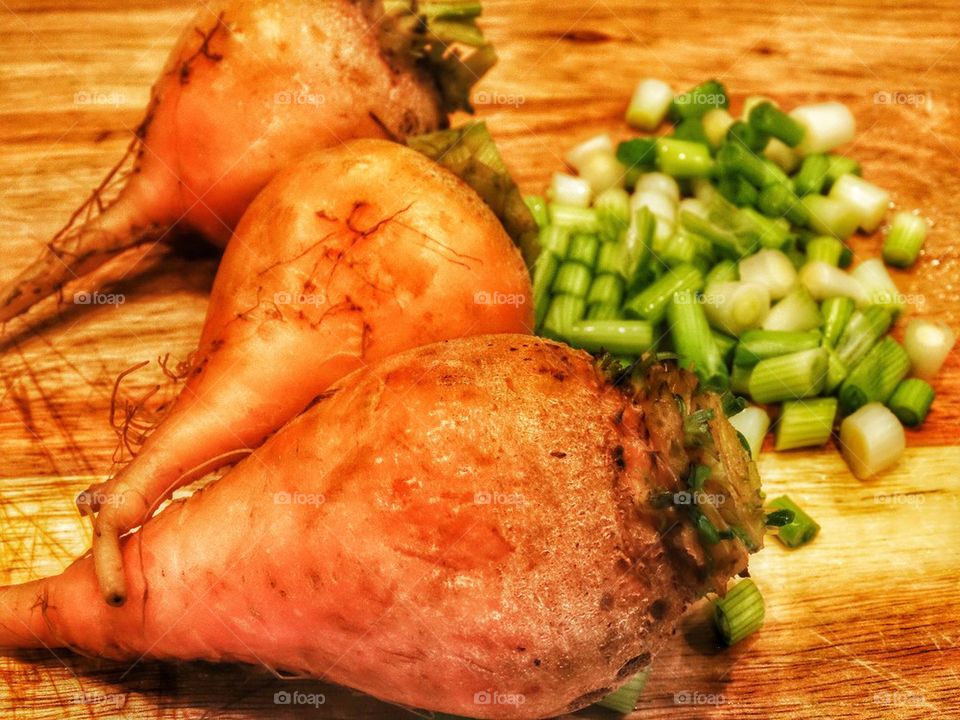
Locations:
(538, 208)
(863, 331)
(875, 377)
(544, 271)
(789, 377)
(624, 700)
(911, 401)
(602, 311)
(802, 530)
(838, 166)
(825, 248)
(740, 613)
(572, 278)
(805, 423)
(583, 249)
(836, 312)
(683, 159)
(574, 218)
(747, 135)
(901, 247)
(651, 303)
(696, 102)
(693, 340)
(563, 311)
(620, 337)
(769, 119)
(606, 289)
(812, 176)
(757, 345)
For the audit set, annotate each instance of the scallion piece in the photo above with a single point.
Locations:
(734, 158)
(572, 278)
(563, 311)
(690, 129)
(863, 331)
(928, 344)
(583, 249)
(544, 271)
(801, 530)
(574, 218)
(812, 176)
(868, 200)
(638, 152)
(796, 312)
(625, 699)
(651, 303)
(538, 208)
(723, 271)
(839, 165)
(774, 233)
(569, 190)
(683, 159)
(875, 377)
(901, 246)
(740, 613)
(911, 401)
(826, 126)
(879, 287)
(693, 340)
(757, 345)
(836, 312)
(698, 100)
(824, 248)
(752, 423)
(824, 281)
(716, 123)
(805, 423)
(830, 217)
(601, 311)
(611, 258)
(738, 190)
(752, 138)
(735, 307)
(778, 200)
(836, 372)
(620, 337)
(606, 289)
(789, 377)
(766, 118)
(726, 345)
(577, 156)
(555, 239)
(781, 155)
(770, 268)
(872, 439)
(649, 104)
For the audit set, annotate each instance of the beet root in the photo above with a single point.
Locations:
(476, 519)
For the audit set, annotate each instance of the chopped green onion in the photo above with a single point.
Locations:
(776, 123)
(624, 700)
(901, 247)
(827, 125)
(659, 182)
(779, 518)
(824, 281)
(583, 249)
(778, 200)
(620, 337)
(740, 379)
(863, 331)
(544, 272)
(716, 123)
(781, 155)
(693, 340)
(839, 165)
(638, 244)
(869, 201)
(796, 312)
(538, 208)
(872, 439)
(875, 377)
(661, 205)
(742, 133)
(725, 344)
(637, 153)
(569, 190)
(683, 159)
(801, 530)
(735, 307)
(812, 175)
(611, 258)
(690, 129)
(572, 278)
(879, 287)
(757, 345)
(928, 344)
(774, 233)
(613, 213)
(738, 190)
(602, 171)
(649, 104)
(752, 422)
(563, 311)
(651, 303)
(805, 423)
(697, 101)
(606, 289)
(830, 217)
(555, 239)
(772, 269)
(911, 401)
(602, 311)
(735, 158)
(577, 156)
(825, 248)
(740, 613)
(789, 377)
(723, 271)
(836, 372)
(574, 218)
(836, 313)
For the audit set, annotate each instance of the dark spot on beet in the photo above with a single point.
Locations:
(633, 666)
(618, 460)
(558, 454)
(521, 648)
(658, 608)
(606, 601)
(536, 662)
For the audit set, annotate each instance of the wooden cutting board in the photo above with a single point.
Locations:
(864, 623)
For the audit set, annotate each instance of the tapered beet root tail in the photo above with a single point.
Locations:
(21, 616)
(75, 252)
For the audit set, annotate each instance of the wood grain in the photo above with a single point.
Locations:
(864, 623)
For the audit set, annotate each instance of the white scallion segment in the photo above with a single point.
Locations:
(830, 217)
(871, 439)
(716, 123)
(694, 206)
(870, 202)
(664, 230)
(603, 171)
(751, 101)
(928, 344)
(658, 182)
(662, 206)
(772, 269)
(879, 287)
(576, 156)
(782, 155)
(753, 423)
(797, 312)
(569, 190)
(828, 125)
(735, 307)
(823, 280)
(649, 105)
